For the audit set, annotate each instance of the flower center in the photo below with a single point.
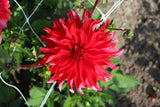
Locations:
(77, 52)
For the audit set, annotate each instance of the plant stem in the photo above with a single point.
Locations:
(93, 8)
(116, 29)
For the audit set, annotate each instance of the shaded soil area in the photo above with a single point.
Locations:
(141, 58)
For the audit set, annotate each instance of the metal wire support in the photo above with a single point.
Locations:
(111, 10)
(49, 92)
(14, 88)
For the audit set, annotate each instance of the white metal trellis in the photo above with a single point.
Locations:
(104, 17)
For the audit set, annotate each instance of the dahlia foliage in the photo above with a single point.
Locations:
(4, 17)
(77, 52)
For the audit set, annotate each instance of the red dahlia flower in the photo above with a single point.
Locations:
(78, 52)
(4, 17)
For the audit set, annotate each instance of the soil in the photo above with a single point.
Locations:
(141, 56)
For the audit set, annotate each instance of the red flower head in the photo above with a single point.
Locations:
(4, 17)
(78, 52)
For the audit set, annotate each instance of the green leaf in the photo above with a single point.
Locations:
(96, 16)
(97, 101)
(105, 84)
(119, 90)
(51, 3)
(123, 81)
(15, 103)
(56, 98)
(80, 104)
(18, 57)
(109, 96)
(35, 101)
(37, 95)
(70, 102)
(117, 71)
(34, 52)
(112, 26)
(50, 103)
(114, 60)
(104, 1)
(37, 92)
(40, 24)
(6, 93)
(154, 88)
(111, 22)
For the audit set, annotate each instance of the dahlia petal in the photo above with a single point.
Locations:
(60, 85)
(52, 79)
(83, 75)
(88, 85)
(53, 68)
(100, 44)
(86, 15)
(62, 21)
(108, 49)
(70, 19)
(115, 42)
(94, 25)
(63, 53)
(0, 37)
(68, 68)
(80, 90)
(71, 83)
(109, 39)
(83, 38)
(4, 17)
(111, 65)
(68, 33)
(46, 59)
(70, 80)
(77, 20)
(67, 62)
(92, 40)
(101, 70)
(50, 42)
(78, 85)
(3, 23)
(117, 53)
(103, 28)
(91, 75)
(107, 23)
(57, 26)
(96, 88)
(71, 90)
(50, 32)
(74, 33)
(51, 57)
(49, 50)
(103, 78)
(104, 36)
